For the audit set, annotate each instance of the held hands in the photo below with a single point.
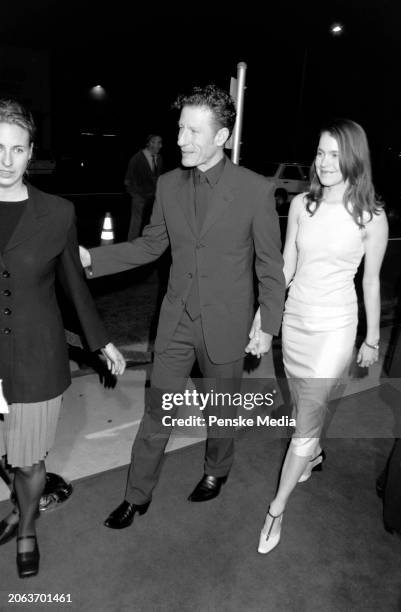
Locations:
(260, 342)
(115, 361)
(367, 356)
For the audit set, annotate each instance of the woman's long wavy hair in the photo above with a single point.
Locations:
(354, 159)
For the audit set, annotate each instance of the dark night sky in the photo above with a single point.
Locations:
(144, 58)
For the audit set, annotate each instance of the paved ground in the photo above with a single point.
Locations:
(99, 419)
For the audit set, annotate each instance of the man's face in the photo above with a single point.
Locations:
(155, 144)
(200, 141)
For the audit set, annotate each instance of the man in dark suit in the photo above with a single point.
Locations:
(218, 219)
(144, 168)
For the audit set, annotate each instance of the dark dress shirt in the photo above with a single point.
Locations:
(204, 183)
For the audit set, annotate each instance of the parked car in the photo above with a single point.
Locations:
(292, 177)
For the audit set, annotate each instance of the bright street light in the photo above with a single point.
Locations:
(98, 92)
(336, 29)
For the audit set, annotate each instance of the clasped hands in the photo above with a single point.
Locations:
(114, 359)
(260, 341)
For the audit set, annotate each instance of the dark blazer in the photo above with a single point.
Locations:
(139, 179)
(241, 223)
(34, 362)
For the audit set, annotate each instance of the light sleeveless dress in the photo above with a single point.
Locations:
(321, 315)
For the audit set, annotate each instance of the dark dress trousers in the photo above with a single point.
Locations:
(240, 229)
(34, 361)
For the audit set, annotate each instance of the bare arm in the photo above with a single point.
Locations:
(375, 248)
(269, 269)
(290, 253)
(268, 262)
(290, 263)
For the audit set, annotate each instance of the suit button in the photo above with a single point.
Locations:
(7, 330)
(190, 275)
(7, 311)
(5, 274)
(200, 245)
(7, 292)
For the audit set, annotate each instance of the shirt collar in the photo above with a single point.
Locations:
(148, 154)
(214, 173)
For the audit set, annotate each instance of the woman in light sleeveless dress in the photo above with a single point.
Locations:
(330, 229)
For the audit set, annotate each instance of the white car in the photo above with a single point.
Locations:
(292, 177)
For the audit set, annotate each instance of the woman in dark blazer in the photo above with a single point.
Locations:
(37, 245)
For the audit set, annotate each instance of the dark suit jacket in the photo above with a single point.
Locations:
(139, 178)
(241, 221)
(34, 362)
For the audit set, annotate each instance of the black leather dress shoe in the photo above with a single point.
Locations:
(207, 488)
(123, 516)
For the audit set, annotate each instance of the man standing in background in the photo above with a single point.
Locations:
(143, 170)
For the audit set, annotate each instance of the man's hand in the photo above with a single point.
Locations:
(256, 325)
(115, 361)
(85, 258)
(260, 342)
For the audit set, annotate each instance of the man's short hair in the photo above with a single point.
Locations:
(149, 138)
(217, 100)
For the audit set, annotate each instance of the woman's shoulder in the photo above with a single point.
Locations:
(51, 202)
(375, 221)
(298, 204)
(300, 199)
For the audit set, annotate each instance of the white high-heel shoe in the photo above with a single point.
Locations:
(314, 465)
(267, 541)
